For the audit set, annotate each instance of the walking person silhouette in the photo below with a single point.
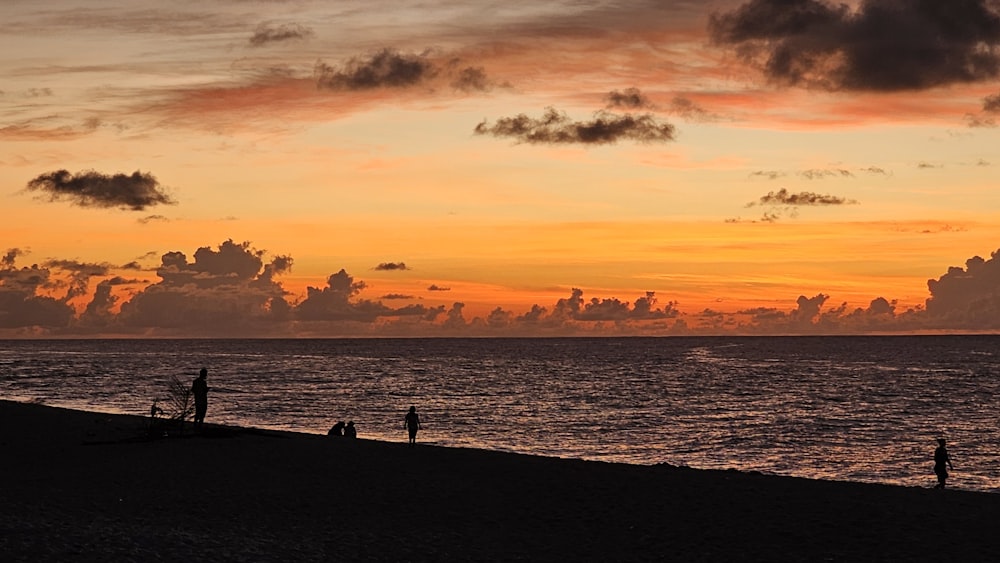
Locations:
(199, 387)
(412, 423)
(942, 463)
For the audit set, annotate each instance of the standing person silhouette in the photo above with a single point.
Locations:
(200, 390)
(412, 423)
(942, 463)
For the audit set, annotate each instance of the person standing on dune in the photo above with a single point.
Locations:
(199, 388)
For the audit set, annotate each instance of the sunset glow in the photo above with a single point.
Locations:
(498, 168)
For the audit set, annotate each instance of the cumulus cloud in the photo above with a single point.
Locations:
(967, 297)
(436, 287)
(882, 45)
(226, 290)
(391, 266)
(334, 302)
(387, 68)
(555, 127)
(21, 306)
(94, 189)
(268, 32)
(629, 98)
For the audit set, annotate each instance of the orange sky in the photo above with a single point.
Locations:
(705, 168)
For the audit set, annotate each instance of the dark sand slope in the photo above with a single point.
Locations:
(77, 486)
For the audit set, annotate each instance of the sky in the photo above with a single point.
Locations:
(307, 168)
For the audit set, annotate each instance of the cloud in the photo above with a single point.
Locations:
(875, 170)
(967, 297)
(387, 68)
(436, 287)
(991, 104)
(691, 111)
(152, 218)
(882, 45)
(557, 128)
(630, 98)
(768, 174)
(93, 189)
(991, 107)
(820, 173)
(229, 290)
(784, 197)
(267, 33)
(475, 79)
(21, 307)
(333, 302)
(391, 266)
(392, 296)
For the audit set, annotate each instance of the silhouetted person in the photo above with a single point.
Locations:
(199, 388)
(412, 423)
(942, 463)
(337, 430)
(350, 431)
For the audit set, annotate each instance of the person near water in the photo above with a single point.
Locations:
(942, 463)
(412, 423)
(337, 430)
(199, 388)
(350, 431)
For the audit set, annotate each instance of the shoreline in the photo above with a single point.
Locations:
(81, 485)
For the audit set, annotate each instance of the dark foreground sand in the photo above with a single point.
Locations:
(78, 486)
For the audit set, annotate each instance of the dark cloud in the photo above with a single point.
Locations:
(387, 68)
(93, 189)
(334, 302)
(21, 307)
(228, 290)
(557, 128)
(267, 33)
(629, 98)
(436, 287)
(883, 45)
(151, 218)
(986, 118)
(79, 274)
(967, 297)
(784, 197)
(391, 266)
(928, 165)
(392, 296)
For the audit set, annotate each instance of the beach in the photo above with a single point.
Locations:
(83, 486)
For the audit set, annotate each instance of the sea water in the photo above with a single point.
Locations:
(846, 408)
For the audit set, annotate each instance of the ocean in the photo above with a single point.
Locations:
(864, 408)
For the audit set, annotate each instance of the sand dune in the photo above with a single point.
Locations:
(79, 486)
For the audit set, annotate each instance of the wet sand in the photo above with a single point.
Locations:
(80, 486)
